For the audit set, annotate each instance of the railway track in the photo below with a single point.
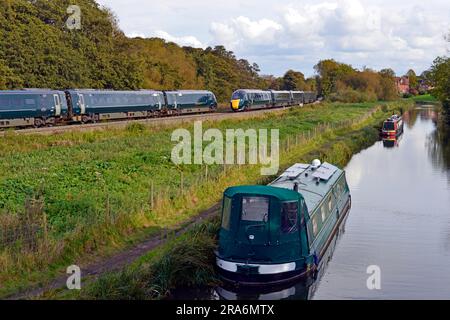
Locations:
(150, 122)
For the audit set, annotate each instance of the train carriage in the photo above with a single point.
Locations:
(297, 98)
(281, 98)
(33, 107)
(310, 97)
(95, 105)
(246, 99)
(190, 101)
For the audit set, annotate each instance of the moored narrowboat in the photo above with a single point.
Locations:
(280, 232)
(392, 126)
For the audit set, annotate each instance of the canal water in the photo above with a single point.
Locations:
(399, 224)
(400, 217)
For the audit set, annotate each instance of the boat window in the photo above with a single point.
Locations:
(330, 203)
(388, 125)
(323, 212)
(255, 209)
(289, 217)
(315, 226)
(226, 213)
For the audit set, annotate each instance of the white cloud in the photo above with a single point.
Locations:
(182, 41)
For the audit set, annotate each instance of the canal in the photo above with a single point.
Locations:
(399, 224)
(400, 218)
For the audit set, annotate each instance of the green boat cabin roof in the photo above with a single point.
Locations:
(313, 182)
(279, 193)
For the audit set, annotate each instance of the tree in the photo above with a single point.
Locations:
(440, 75)
(293, 80)
(412, 78)
(389, 73)
(329, 73)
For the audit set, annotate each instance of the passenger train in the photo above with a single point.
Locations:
(246, 99)
(45, 107)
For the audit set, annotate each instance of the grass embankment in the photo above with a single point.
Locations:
(426, 98)
(68, 198)
(188, 260)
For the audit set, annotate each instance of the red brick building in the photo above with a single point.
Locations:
(402, 84)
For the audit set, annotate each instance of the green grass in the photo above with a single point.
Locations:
(96, 187)
(424, 98)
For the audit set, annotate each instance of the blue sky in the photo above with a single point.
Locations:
(282, 35)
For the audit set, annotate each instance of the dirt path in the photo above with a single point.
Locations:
(121, 259)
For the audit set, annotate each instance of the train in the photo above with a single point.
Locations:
(247, 99)
(45, 107)
(48, 107)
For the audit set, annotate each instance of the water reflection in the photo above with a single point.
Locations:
(391, 142)
(400, 218)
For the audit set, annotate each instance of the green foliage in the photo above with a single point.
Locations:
(294, 80)
(413, 82)
(340, 82)
(440, 75)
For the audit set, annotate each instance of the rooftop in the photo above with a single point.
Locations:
(313, 182)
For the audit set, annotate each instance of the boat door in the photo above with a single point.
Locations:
(57, 102)
(81, 103)
(254, 223)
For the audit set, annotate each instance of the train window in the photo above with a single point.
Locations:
(4, 102)
(330, 203)
(226, 213)
(16, 101)
(238, 95)
(30, 102)
(289, 217)
(255, 209)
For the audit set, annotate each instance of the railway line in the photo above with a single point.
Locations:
(150, 122)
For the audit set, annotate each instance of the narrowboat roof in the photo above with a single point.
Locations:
(313, 182)
(279, 193)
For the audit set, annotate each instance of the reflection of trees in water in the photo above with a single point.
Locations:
(438, 143)
(410, 117)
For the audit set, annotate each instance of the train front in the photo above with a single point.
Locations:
(263, 237)
(238, 100)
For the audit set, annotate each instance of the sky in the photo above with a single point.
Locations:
(282, 35)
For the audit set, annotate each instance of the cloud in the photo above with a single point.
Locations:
(244, 31)
(190, 41)
(348, 29)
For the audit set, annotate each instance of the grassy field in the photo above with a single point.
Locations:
(75, 197)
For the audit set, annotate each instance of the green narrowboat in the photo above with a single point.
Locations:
(280, 232)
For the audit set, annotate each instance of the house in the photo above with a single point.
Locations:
(402, 84)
